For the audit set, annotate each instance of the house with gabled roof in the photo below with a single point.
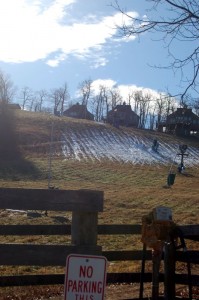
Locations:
(78, 111)
(122, 115)
(181, 122)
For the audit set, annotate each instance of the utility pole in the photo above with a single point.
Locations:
(50, 157)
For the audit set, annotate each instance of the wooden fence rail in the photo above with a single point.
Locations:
(84, 230)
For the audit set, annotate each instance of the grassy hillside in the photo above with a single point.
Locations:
(130, 190)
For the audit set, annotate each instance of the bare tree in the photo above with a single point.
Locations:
(178, 24)
(185, 101)
(26, 97)
(54, 96)
(7, 89)
(152, 117)
(105, 99)
(142, 106)
(32, 104)
(105, 93)
(115, 97)
(97, 106)
(41, 96)
(85, 90)
(130, 97)
(100, 103)
(59, 97)
(160, 105)
(136, 97)
(171, 104)
(64, 96)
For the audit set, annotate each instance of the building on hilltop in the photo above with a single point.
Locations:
(122, 115)
(181, 122)
(78, 111)
(9, 105)
(14, 106)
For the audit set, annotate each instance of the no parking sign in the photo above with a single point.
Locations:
(85, 277)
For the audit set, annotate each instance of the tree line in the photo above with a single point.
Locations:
(151, 108)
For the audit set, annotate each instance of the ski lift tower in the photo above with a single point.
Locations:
(183, 149)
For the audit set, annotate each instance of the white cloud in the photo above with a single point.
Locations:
(99, 62)
(108, 83)
(32, 32)
(125, 89)
(56, 60)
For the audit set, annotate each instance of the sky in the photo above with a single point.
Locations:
(46, 43)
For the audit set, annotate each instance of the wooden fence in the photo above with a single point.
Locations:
(84, 230)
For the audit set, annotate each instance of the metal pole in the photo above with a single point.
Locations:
(50, 156)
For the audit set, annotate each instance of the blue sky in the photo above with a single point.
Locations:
(45, 43)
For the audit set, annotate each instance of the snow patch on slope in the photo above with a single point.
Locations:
(101, 143)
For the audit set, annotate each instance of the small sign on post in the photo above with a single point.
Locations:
(85, 277)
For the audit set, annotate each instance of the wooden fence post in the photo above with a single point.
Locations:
(169, 271)
(156, 260)
(84, 230)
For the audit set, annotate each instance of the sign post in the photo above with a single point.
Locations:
(85, 277)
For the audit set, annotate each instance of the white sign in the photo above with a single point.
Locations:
(85, 277)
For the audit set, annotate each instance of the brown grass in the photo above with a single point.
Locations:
(130, 191)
